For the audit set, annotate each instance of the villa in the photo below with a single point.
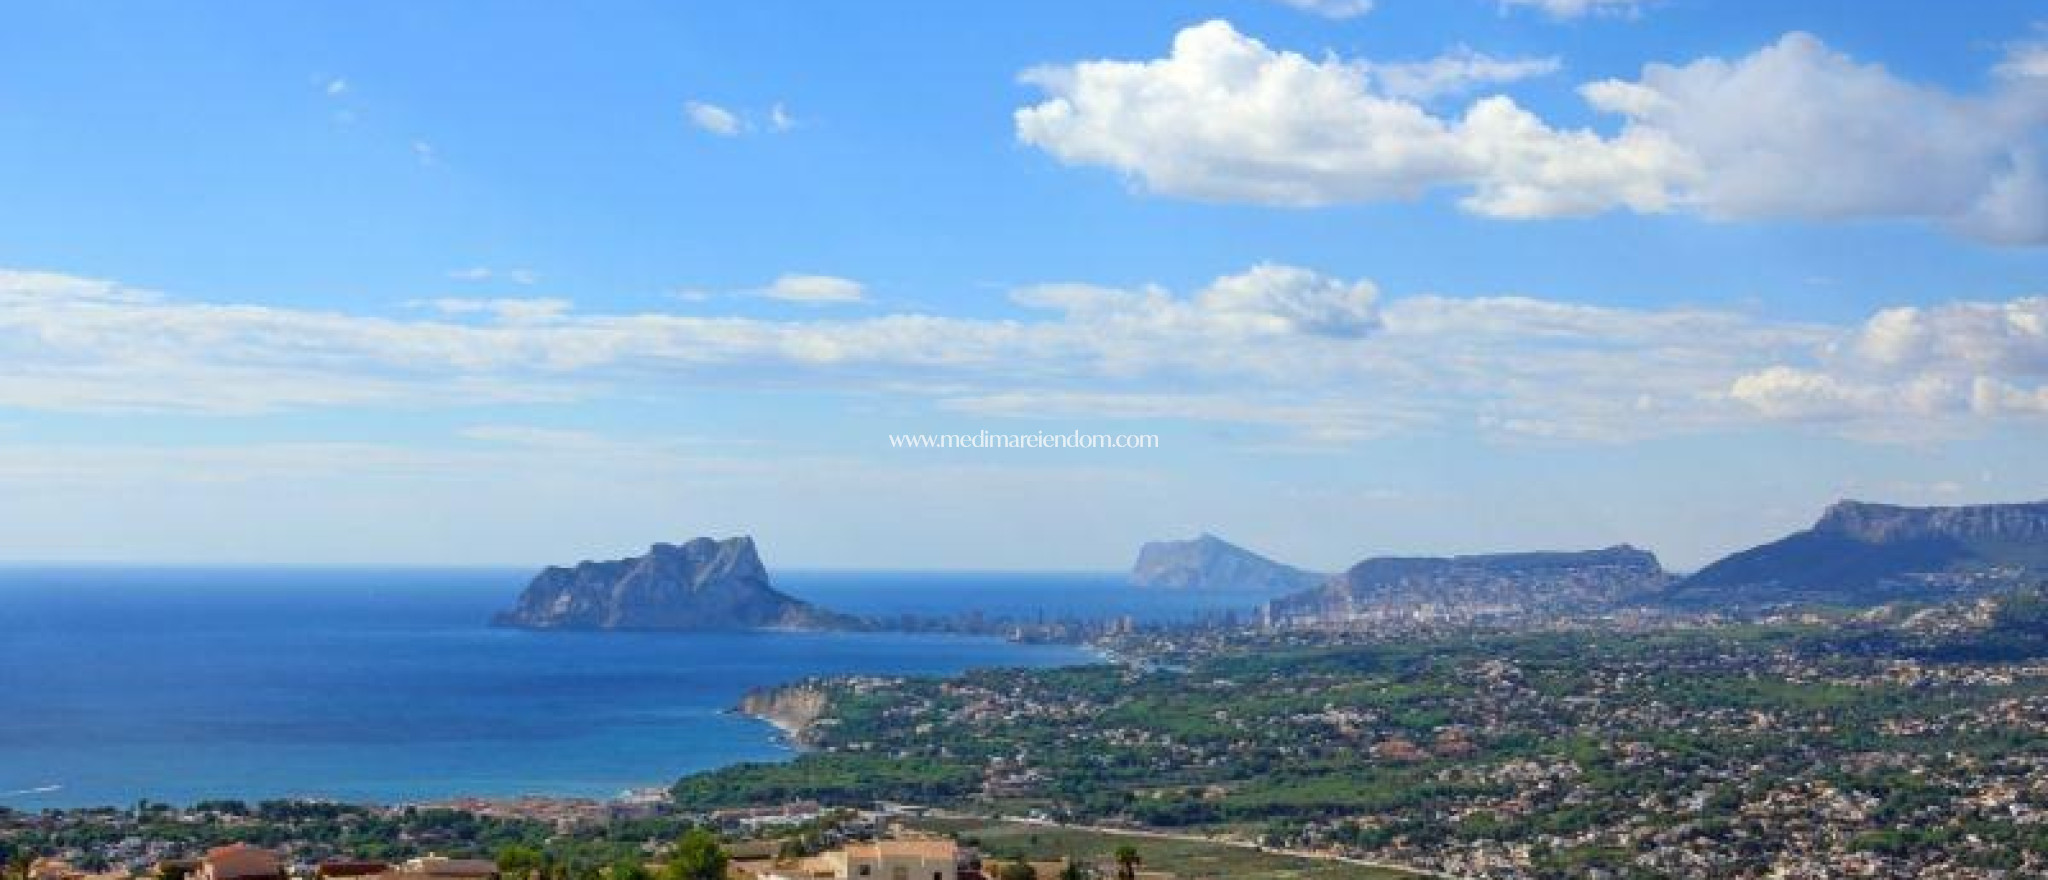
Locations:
(911, 859)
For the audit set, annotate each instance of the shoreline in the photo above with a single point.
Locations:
(789, 725)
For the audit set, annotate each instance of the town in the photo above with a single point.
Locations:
(1896, 742)
(796, 841)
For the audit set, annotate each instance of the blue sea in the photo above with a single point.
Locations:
(386, 685)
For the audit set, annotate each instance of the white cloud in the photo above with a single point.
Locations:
(1456, 72)
(1565, 9)
(1275, 348)
(335, 87)
(1338, 9)
(1793, 130)
(1799, 130)
(1966, 358)
(2025, 60)
(815, 289)
(727, 122)
(1295, 299)
(713, 118)
(1225, 118)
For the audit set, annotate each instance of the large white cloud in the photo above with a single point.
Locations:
(1793, 130)
(1226, 118)
(1799, 130)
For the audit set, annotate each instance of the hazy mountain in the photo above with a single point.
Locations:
(1492, 585)
(1211, 563)
(1867, 554)
(700, 585)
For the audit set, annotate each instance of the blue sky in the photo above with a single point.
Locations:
(522, 282)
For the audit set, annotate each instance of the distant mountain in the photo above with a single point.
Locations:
(1868, 554)
(1211, 563)
(1485, 586)
(700, 585)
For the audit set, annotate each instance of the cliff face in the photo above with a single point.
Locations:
(1868, 554)
(1209, 562)
(1881, 523)
(792, 708)
(1502, 584)
(700, 585)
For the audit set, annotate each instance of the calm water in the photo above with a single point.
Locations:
(384, 685)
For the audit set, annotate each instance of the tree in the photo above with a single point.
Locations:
(517, 862)
(1018, 870)
(1127, 862)
(629, 869)
(697, 856)
(1074, 871)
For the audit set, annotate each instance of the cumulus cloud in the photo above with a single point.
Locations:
(1226, 118)
(1295, 299)
(815, 289)
(1793, 130)
(1951, 360)
(1324, 359)
(1267, 299)
(1799, 130)
(712, 118)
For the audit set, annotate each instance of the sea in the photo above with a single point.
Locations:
(389, 686)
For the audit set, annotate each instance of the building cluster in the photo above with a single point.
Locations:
(241, 861)
(908, 856)
(1692, 754)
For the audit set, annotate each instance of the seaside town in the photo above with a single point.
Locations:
(1885, 744)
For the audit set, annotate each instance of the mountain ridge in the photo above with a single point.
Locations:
(1861, 553)
(1490, 585)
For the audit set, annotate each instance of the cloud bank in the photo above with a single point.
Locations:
(1309, 356)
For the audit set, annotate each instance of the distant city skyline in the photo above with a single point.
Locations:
(512, 284)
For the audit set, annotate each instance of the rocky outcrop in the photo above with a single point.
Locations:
(703, 584)
(1501, 585)
(1886, 523)
(1211, 563)
(793, 709)
(1860, 554)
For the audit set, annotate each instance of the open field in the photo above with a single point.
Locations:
(1186, 858)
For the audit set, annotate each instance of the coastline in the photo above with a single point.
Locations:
(646, 705)
(793, 709)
